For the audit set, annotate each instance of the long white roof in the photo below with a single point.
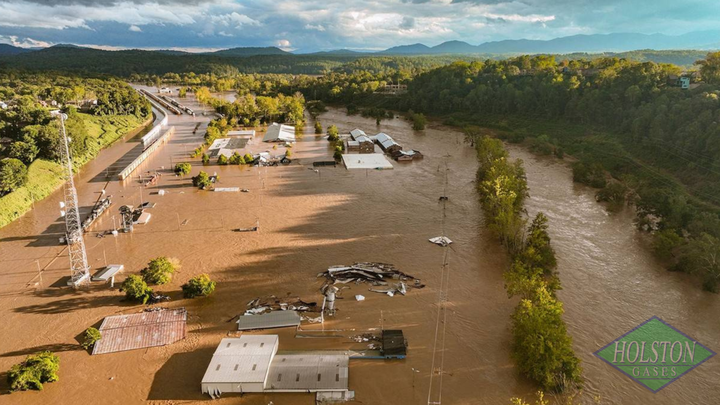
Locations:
(279, 133)
(242, 360)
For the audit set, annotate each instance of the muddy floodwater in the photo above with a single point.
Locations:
(309, 220)
(611, 284)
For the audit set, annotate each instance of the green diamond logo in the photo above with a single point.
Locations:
(655, 354)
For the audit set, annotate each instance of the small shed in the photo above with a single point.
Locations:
(279, 133)
(394, 345)
(108, 272)
(270, 320)
(142, 330)
(365, 144)
(352, 146)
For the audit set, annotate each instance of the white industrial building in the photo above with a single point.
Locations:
(376, 161)
(251, 363)
(279, 133)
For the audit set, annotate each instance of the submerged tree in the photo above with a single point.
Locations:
(160, 270)
(32, 373)
(198, 286)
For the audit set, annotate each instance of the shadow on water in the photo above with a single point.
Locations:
(187, 367)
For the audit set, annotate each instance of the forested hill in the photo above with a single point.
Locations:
(270, 60)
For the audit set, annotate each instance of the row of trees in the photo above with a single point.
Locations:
(541, 345)
(34, 134)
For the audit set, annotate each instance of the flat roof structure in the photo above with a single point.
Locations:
(138, 331)
(367, 161)
(308, 371)
(270, 320)
(240, 364)
(279, 133)
(108, 272)
(251, 363)
(243, 132)
(227, 146)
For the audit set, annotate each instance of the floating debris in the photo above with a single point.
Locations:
(441, 241)
(273, 303)
(377, 274)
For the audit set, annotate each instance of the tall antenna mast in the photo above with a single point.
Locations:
(79, 269)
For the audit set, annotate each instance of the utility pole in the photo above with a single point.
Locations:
(79, 268)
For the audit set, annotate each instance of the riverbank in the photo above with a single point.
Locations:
(44, 177)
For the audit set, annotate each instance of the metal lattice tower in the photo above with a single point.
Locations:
(79, 269)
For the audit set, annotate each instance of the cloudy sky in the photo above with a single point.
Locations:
(310, 25)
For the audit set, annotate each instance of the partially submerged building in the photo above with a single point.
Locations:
(227, 146)
(365, 144)
(279, 133)
(387, 144)
(375, 161)
(252, 363)
(270, 320)
(139, 331)
(404, 156)
(356, 132)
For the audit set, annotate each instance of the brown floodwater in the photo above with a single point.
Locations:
(612, 283)
(310, 220)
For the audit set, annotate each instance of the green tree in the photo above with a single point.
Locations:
(419, 121)
(332, 132)
(24, 151)
(318, 127)
(541, 345)
(205, 159)
(92, 335)
(160, 270)
(222, 160)
(202, 180)
(13, 175)
(338, 153)
(710, 68)
(32, 373)
(198, 286)
(136, 289)
(249, 159)
(183, 168)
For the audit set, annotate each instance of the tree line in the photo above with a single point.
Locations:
(541, 345)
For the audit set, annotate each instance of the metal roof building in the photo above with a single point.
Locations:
(138, 331)
(270, 320)
(227, 146)
(387, 143)
(355, 133)
(251, 363)
(240, 365)
(279, 133)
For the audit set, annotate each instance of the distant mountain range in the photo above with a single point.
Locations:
(597, 43)
(576, 43)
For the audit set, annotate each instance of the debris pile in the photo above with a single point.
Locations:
(386, 276)
(441, 241)
(273, 303)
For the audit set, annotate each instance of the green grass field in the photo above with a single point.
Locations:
(44, 176)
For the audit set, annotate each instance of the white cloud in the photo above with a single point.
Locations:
(135, 28)
(317, 27)
(14, 40)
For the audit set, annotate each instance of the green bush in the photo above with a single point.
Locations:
(205, 159)
(202, 180)
(318, 127)
(249, 158)
(332, 133)
(136, 289)
(338, 153)
(34, 371)
(183, 168)
(419, 121)
(92, 335)
(198, 286)
(160, 270)
(13, 175)
(237, 159)
(222, 160)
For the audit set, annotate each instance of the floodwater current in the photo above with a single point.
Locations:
(309, 220)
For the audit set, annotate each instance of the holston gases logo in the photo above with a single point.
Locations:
(654, 354)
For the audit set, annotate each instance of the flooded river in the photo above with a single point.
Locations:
(612, 283)
(310, 220)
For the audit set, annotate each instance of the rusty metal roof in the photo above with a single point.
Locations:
(137, 331)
